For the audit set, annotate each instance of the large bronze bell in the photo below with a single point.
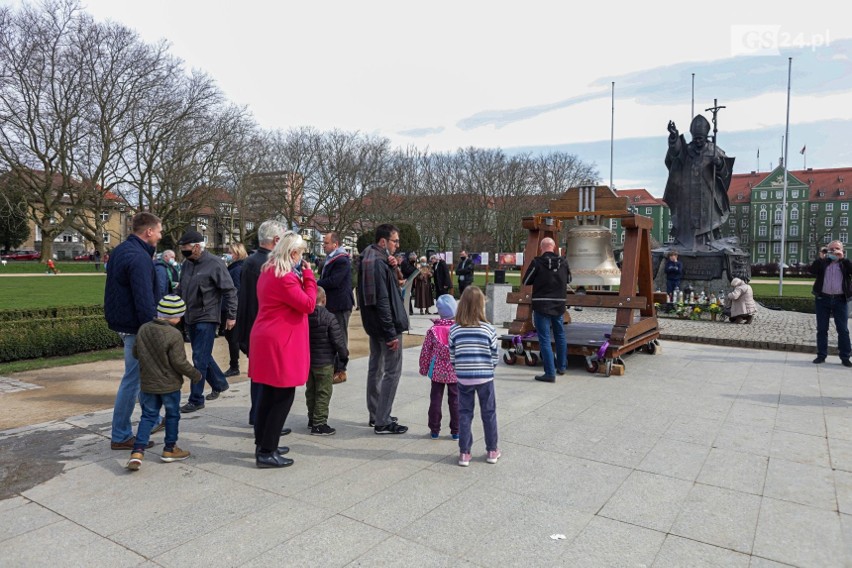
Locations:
(588, 250)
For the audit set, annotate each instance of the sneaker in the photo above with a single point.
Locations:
(846, 362)
(339, 377)
(464, 459)
(189, 407)
(232, 372)
(322, 430)
(392, 428)
(493, 455)
(455, 437)
(176, 454)
(434, 435)
(127, 444)
(215, 394)
(135, 461)
(159, 427)
(373, 423)
(546, 378)
(819, 360)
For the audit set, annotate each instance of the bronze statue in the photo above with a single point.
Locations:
(697, 187)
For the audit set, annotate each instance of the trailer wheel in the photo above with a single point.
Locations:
(531, 359)
(592, 367)
(510, 358)
(650, 348)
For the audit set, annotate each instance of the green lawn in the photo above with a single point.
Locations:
(34, 267)
(790, 290)
(43, 291)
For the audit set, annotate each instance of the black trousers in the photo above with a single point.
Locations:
(272, 411)
(233, 348)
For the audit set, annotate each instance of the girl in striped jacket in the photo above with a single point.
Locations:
(473, 353)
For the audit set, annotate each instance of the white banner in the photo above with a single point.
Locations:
(519, 259)
(483, 258)
(448, 257)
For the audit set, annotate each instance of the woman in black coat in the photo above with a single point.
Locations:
(238, 254)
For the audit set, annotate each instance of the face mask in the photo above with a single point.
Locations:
(464, 258)
(228, 258)
(832, 257)
(172, 262)
(186, 253)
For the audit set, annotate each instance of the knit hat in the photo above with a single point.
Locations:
(171, 306)
(446, 306)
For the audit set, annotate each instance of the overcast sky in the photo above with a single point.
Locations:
(529, 75)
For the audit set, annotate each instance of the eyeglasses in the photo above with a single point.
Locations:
(394, 241)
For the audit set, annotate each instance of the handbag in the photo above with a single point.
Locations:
(431, 367)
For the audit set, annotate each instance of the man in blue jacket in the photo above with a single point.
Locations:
(130, 300)
(336, 280)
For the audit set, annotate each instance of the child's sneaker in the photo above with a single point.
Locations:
(173, 455)
(464, 459)
(455, 437)
(434, 435)
(135, 461)
(322, 430)
(493, 455)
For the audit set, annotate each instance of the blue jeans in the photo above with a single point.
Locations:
(127, 395)
(487, 410)
(201, 336)
(542, 324)
(151, 404)
(836, 307)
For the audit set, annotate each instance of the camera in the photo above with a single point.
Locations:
(824, 250)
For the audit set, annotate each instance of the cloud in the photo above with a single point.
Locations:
(825, 70)
(421, 132)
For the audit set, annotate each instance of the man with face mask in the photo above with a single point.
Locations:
(832, 291)
(168, 274)
(206, 287)
(464, 271)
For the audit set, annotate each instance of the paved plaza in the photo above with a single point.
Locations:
(700, 455)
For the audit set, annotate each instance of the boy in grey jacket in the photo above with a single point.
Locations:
(327, 345)
(162, 366)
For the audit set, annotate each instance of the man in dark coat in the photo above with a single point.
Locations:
(832, 291)
(336, 280)
(268, 235)
(130, 300)
(384, 318)
(464, 271)
(549, 276)
(441, 276)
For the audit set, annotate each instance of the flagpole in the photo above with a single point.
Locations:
(758, 159)
(692, 109)
(612, 136)
(784, 199)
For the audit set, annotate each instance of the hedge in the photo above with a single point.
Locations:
(50, 337)
(51, 312)
(790, 304)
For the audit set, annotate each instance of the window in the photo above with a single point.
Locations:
(744, 240)
(795, 193)
(829, 207)
(66, 238)
(761, 231)
(106, 238)
(621, 238)
(761, 248)
(778, 195)
(826, 238)
(844, 238)
(794, 248)
(745, 209)
(777, 215)
(744, 223)
(844, 206)
(104, 216)
(794, 214)
(648, 211)
(732, 222)
(68, 212)
(829, 221)
(776, 248)
(612, 224)
(814, 206)
(812, 221)
(763, 195)
(844, 221)
(776, 232)
(763, 215)
(670, 224)
(794, 230)
(249, 225)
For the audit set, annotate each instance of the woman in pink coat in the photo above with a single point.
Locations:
(280, 351)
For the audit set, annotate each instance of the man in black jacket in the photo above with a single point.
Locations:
(336, 280)
(832, 291)
(549, 276)
(268, 235)
(204, 285)
(464, 271)
(384, 318)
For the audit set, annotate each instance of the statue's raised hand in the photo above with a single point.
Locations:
(673, 129)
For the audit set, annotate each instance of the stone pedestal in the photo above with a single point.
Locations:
(498, 311)
(710, 271)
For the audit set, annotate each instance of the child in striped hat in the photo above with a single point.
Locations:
(162, 366)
